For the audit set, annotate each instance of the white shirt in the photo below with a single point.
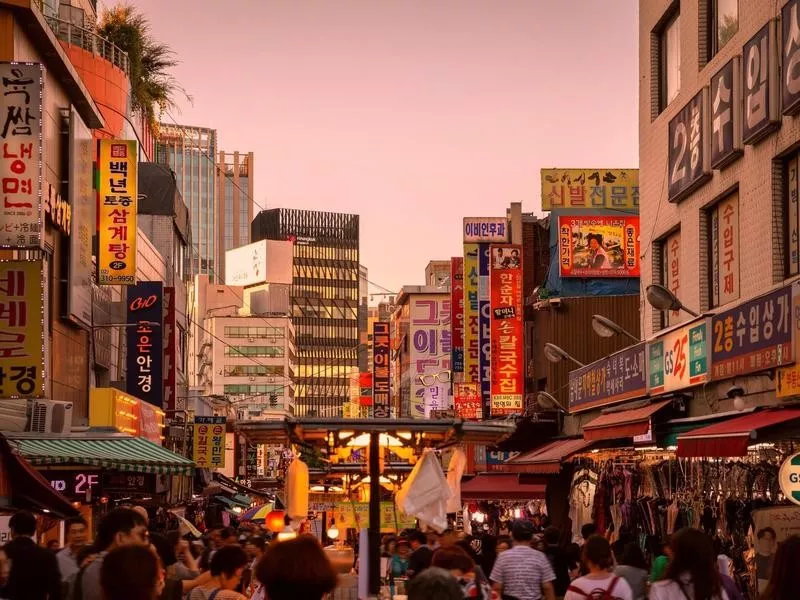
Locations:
(595, 587)
(670, 590)
(522, 571)
(67, 563)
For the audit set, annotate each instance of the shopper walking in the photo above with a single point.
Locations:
(784, 581)
(600, 582)
(633, 569)
(462, 566)
(421, 554)
(227, 566)
(559, 560)
(34, 573)
(131, 573)
(75, 529)
(296, 569)
(523, 573)
(692, 574)
(434, 584)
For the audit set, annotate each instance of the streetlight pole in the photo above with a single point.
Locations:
(374, 531)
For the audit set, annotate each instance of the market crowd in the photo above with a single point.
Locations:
(128, 561)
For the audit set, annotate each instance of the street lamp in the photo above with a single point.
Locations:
(606, 328)
(661, 298)
(547, 400)
(555, 354)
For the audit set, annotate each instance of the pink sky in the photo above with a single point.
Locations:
(411, 113)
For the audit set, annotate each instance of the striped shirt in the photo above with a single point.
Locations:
(522, 571)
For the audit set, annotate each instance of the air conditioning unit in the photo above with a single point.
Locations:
(13, 414)
(51, 416)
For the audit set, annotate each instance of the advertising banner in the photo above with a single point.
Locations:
(355, 515)
(689, 150)
(598, 246)
(22, 350)
(590, 188)
(208, 450)
(507, 379)
(380, 369)
(679, 358)
(110, 407)
(485, 327)
(620, 376)
(471, 324)
(117, 205)
(467, 401)
(457, 305)
(429, 331)
(754, 336)
(21, 172)
(485, 230)
(144, 372)
(170, 343)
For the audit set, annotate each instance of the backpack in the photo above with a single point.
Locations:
(606, 594)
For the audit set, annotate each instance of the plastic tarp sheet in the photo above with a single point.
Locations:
(424, 495)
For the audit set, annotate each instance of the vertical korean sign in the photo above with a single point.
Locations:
(117, 206)
(507, 375)
(380, 369)
(457, 305)
(21, 213)
(145, 343)
(471, 327)
(430, 354)
(170, 344)
(485, 327)
(208, 449)
(21, 329)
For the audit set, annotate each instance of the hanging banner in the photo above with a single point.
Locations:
(457, 305)
(429, 332)
(679, 359)
(380, 369)
(117, 205)
(598, 246)
(507, 377)
(208, 450)
(471, 325)
(144, 368)
(21, 171)
(485, 327)
(467, 401)
(355, 515)
(22, 348)
(170, 343)
(590, 188)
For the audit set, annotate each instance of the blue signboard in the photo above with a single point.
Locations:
(621, 376)
(144, 374)
(485, 328)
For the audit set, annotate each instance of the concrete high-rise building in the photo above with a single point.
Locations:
(191, 153)
(325, 301)
(235, 202)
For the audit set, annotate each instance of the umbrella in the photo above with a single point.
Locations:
(258, 513)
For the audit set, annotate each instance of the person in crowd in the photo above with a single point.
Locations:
(131, 572)
(488, 553)
(254, 548)
(53, 546)
(434, 540)
(765, 555)
(34, 573)
(692, 573)
(182, 573)
(434, 584)
(522, 572)
(600, 582)
(142, 513)
(559, 560)
(120, 527)
(389, 545)
(503, 544)
(75, 529)
(399, 560)
(227, 566)
(461, 566)
(632, 568)
(421, 554)
(574, 552)
(663, 556)
(587, 531)
(296, 569)
(784, 580)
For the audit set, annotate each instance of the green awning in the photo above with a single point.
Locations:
(238, 501)
(245, 501)
(123, 453)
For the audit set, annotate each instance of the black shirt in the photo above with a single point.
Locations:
(419, 560)
(34, 572)
(559, 560)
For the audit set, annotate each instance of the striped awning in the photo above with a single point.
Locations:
(123, 453)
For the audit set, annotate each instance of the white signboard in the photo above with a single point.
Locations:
(485, 230)
(789, 478)
(267, 261)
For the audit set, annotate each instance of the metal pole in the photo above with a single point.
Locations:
(374, 514)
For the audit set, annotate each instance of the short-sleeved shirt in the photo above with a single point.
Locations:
(595, 587)
(522, 571)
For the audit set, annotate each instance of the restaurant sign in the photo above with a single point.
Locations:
(611, 379)
(754, 336)
(679, 358)
(208, 448)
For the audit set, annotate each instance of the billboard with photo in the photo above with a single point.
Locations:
(598, 246)
(507, 352)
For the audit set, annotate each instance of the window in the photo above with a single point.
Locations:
(253, 389)
(724, 22)
(791, 192)
(723, 255)
(666, 45)
(253, 371)
(263, 351)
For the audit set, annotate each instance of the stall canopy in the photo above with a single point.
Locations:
(622, 424)
(731, 438)
(503, 486)
(548, 458)
(100, 449)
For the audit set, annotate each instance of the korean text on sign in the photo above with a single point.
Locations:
(21, 333)
(614, 378)
(506, 331)
(21, 155)
(590, 188)
(380, 369)
(430, 354)
(209, 442)
(117, 164)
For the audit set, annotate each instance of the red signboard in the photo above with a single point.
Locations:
(467, 401)
(598, 246)
(365, 386)
(170, 339)
(457, 317)
(507, 365)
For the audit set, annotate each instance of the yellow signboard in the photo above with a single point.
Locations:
(117, 190)
(590, 188)
(208, 445)
(21, 331)
(355, 515)
(110, 407)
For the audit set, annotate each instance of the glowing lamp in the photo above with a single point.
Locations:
(333, 531)
(275, 521)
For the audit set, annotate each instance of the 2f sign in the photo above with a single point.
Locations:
(760, 85)
(790, 50)
(689, 147)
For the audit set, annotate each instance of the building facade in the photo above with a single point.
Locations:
(325, 300)
(191, 153)
(235, 198)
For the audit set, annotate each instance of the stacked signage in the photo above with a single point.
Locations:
(380, 370)
(430, 354)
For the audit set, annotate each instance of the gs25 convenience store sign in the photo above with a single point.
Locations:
(680, 358)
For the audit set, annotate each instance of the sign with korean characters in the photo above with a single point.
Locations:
(117, 205)
(689, 150)
(457, 305)
(145, 377)
(725, 251)
(789, 478)
(679, 358)
(790, 59)
(429, 335)
(787, 382)
(507, 352)
(485, 326)
(471, 324)
(380, 369)
(21, 211)
(760, 84)
(590, 188)
(355, 515)
(598, 246)
(485, 230)
(620, 376)
(170, 335)
(726, 114)
(467, 401)
(22, 352)
(208, 450)
(754, 336)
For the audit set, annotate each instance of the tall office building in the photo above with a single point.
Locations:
(191, 153)
(325, 301)
(235, 200)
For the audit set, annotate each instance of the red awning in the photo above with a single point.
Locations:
(505, 486)
(548, 458)
(623, 424)
(732, 437)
